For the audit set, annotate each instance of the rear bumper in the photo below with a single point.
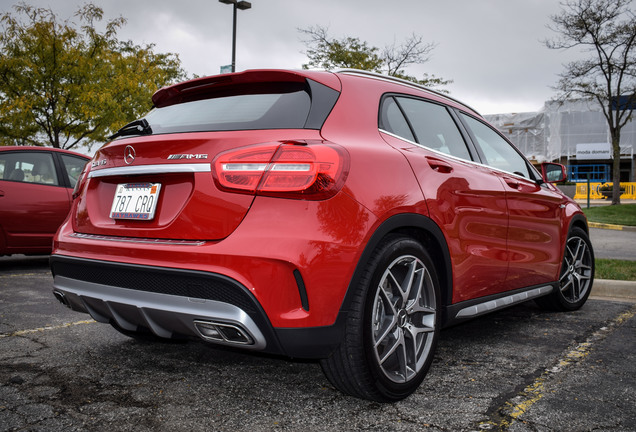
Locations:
(175, 303)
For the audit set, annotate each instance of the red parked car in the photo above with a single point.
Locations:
(36, 185)
(345, 217)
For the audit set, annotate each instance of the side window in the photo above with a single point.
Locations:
(28, 167)
(392, 120)
(74, 167)
(434, 127)
(498, 152)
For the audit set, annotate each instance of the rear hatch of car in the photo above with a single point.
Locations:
(190, 169)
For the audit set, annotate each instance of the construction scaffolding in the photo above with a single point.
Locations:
(574, 133)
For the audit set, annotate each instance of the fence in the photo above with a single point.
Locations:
(596, 193)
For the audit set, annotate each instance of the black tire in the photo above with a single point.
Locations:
(392, 327)
(576, 277)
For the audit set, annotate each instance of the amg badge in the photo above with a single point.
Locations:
(188, 156)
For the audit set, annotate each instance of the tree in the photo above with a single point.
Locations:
(64, 83)
(606, 30)
(328, 53)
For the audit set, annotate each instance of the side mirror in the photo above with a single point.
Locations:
(553, 172)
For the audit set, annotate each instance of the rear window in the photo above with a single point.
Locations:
(226, 106)
(287, 110)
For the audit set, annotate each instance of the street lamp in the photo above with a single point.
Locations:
(242, 5)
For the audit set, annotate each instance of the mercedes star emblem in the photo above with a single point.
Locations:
(129, 155)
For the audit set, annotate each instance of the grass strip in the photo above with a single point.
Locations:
(624, 214)
(615, 269)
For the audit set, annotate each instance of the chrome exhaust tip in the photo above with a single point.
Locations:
(59, 295)
(222, 332)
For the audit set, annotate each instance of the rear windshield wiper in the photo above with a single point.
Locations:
(137, 127)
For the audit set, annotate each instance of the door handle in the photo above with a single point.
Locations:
(512, 183)
(439, 165)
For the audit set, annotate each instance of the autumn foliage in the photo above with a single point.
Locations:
(71, 82)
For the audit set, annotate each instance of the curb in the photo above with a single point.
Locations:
(611, 226)
(614, 289)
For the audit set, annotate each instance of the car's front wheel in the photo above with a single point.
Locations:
(393, 325)
(576, 277)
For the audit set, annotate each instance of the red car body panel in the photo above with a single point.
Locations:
(31, 212)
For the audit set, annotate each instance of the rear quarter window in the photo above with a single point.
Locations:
(426, 123)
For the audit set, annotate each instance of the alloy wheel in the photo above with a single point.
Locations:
(577, 270)
(404, 319)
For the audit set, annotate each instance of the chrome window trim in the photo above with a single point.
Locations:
(151, 169)
(430, 149)
(458, 158)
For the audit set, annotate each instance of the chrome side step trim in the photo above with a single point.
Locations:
(503, 302)
(151, 169)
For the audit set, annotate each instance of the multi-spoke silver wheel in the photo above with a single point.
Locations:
(403, 318)
(576, 273)
(392, 324)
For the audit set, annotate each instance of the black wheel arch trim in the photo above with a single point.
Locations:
(579, 220)
(402, 223)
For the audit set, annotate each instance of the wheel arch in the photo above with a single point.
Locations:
(420, 228)
(579, 221)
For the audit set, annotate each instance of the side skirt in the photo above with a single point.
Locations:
(466, 310)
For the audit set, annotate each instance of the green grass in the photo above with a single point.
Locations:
(624, 214)
(615, 269)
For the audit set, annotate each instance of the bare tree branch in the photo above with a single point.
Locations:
(329, 53)
(606, 30)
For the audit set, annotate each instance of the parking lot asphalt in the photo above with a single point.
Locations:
(520, 369)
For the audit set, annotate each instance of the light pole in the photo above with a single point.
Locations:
(242, 5)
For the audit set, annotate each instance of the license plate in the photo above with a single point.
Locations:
(135, 201)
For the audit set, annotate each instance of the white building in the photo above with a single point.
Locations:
(575, 134)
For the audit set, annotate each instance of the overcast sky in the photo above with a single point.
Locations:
(491, 49)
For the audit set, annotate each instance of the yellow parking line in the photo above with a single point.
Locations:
(535, 391)
(42, 329)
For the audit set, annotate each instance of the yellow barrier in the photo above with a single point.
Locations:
(581, 190)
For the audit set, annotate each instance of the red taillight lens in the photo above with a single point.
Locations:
(290, 169)
(242, 169)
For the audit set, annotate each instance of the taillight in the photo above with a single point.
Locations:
(303, 170)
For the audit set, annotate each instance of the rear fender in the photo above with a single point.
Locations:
(422, 229)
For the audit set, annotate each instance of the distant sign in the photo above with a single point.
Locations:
(594, 151)
(226, 69)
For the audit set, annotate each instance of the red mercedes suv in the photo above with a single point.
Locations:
(345, 217)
